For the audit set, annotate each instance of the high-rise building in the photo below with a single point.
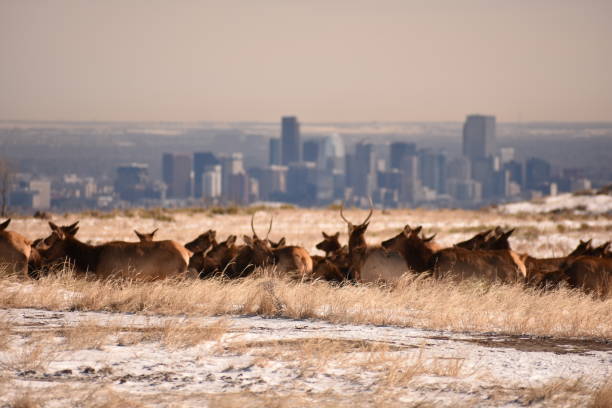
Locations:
(332, 154)
(301, 183)
(398, 151)
(211, 182)
(365, 170)
(311, 150)
(479, 141)
(132, 182)
(201, 161)
(274, 153)
(291, 144)
(432, 166)
(537, 173)
(176, 171)
(231, 165)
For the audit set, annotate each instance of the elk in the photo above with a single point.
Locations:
(217, 258)
(591, 274)
(146, 237)
(134, 260)
(334, 266)
(547, 272)
(255, 253)
(291, 258)
(459, 263)
(202, 242)
(370, 263)
(15, 250)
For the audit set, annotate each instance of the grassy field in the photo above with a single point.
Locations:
(418, 343)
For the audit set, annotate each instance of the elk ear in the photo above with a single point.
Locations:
(139, 235)
(507, 234)
(53, 226)
(247, 240)
(325, 235)
(231, 240)
(154, 232)
(430, 238)
(336, 235)
(71, 226)
(5, 224)
(281, 242)
(417, 230)
(72, 232)
(212, 234)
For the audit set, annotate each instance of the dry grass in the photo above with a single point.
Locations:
(425, 303)
(557, 389)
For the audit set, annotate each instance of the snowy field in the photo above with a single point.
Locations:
(212, 344)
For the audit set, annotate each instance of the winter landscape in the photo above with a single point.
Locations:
(271, 341)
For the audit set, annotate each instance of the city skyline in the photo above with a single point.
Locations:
(335, 61)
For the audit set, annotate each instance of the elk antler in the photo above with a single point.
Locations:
(270, 228)
(342, 214)
(371, 210)
(252, 226)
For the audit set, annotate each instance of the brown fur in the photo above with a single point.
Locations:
(461, 263)
(218, 258)
(202, 242)
(133, 260)
(591, 274)
(15, 250)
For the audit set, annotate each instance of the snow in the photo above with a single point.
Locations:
(592, 204)
(214, 367)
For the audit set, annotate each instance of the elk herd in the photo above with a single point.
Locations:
(486, 256)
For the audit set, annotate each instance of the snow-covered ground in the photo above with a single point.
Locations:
(590, 204)
(287, 358)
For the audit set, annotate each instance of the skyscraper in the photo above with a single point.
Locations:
(291, 144)
(176, 171)
(365, 170)
(399, 150)
(274, 154)
(479, 141)
(201, 161)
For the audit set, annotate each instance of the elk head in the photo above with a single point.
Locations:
(54, 246)
(356, 232)
(582, 248)
(202, 242)
(477, 241)
(330, 243)
(414, 248)
(500, 241)
(255, 253)
(146, 237)
(276, 245)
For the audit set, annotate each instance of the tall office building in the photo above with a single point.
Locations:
(311, 150)
(274, 153)
(211, 182)
(176, 171)
(232, 165)
(365, 170)
(291, 144)
(201, 161)
(398, 151)
(537, 173)
(479, 141)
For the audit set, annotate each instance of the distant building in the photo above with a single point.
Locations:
(274, 152)
(176, 172)
(133, 183)
(537, 173)
(516, 171)
(311, 150)
(460, 168)
(302, 183)
(332, 154)
(479, 140)
(201, 161)
(398, 151)
(432, 170)
(42, 194)
(365, 170)
(231, 165)
(272, 182)
(291, 144)
(211, 182)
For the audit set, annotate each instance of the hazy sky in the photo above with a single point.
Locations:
(323, 60)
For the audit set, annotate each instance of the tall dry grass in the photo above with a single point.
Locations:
(424, 303)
